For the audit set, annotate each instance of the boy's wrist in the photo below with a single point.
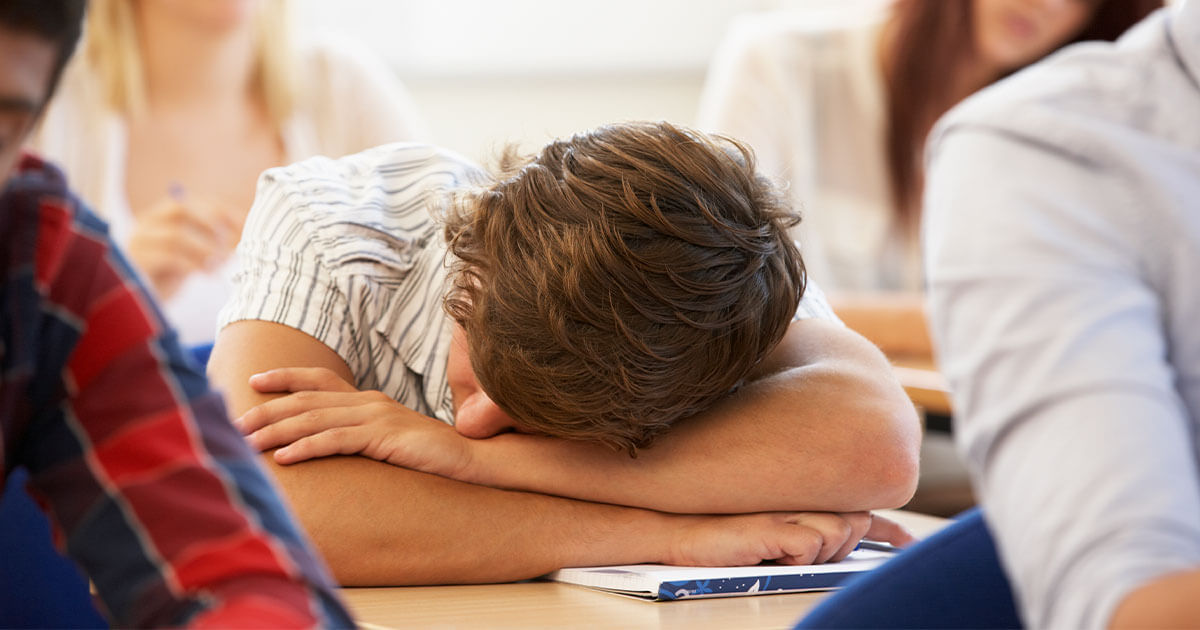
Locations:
(487, 460)
(630, 536)
(515, 461)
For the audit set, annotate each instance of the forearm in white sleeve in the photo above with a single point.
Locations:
(1065, 403)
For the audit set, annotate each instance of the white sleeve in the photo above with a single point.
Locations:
(814, 305)
(282, 276)
(760, 90)
(1065, 403)
(757, 91)
(358, 100)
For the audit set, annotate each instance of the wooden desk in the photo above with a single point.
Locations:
(924, 383)
(551, 605)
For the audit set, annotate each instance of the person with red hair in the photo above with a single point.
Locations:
(1063, 305)
(838, 109)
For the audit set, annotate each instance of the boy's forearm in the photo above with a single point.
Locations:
(812, 440)
(382, 524)
(378, 524)
(826, 427)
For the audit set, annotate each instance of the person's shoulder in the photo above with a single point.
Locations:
(39, 205)
(382, 186)
(1083, 96)
(399, 163)
(33, 175)
(330, 59)
(350, 99)
(339, 74)
(41, 187)
(79, 92)
(796, 34)
(79, 103)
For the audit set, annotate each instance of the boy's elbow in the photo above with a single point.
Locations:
(898, 480)
(892, 466)
(881, 432)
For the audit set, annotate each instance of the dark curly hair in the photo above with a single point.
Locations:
(621, 280)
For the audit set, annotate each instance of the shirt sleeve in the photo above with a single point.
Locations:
(283, 277)
(814, 305)
(149, 487)
(329, 247)
(749, 94)
(761, 90)
(1050, 333)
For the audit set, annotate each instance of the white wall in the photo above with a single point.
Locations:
(488, 72)
(476, 115)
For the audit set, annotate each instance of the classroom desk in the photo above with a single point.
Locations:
(540, 604)
(924, 383)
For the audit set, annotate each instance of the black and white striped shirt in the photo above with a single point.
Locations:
(347, 251)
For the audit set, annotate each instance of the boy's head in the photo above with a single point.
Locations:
(37, 38)
(621, 280)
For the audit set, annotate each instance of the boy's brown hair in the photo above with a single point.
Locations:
(621, 280)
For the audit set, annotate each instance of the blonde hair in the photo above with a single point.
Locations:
(112, 53)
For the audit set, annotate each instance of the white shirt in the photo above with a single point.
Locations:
(1063, 243)
(349, 101)
(347, 251)
(805, 90)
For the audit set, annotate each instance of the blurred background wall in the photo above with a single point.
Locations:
(488, 72)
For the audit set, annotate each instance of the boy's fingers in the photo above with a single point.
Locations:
(300, 379)
(887, 530)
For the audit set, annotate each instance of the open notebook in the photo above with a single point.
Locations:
(660, 582)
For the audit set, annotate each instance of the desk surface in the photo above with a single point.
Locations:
(924, 383)
(552, 605)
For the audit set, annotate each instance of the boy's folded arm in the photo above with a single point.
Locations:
(381, 524)
(824, 426)
(378, 524)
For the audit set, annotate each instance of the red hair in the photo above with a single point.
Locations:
(932, 40)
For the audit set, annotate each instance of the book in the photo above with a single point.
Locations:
(660, 582)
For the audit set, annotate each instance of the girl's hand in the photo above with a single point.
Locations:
(176, 238)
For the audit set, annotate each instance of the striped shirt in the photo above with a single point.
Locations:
(148, 486)
(349, 251)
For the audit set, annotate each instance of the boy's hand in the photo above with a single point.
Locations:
(324, 415)
(787, 538)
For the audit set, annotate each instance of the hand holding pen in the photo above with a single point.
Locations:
(178, 236)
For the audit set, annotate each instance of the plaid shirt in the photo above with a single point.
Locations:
(148, 487)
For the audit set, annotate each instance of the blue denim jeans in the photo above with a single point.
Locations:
(952, 579)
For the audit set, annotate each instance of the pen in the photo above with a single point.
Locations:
(877, 546)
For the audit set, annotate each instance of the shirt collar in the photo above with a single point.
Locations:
(1183, 29)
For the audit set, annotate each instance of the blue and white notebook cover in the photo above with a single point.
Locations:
(659, 582)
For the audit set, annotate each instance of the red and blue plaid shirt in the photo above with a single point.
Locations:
(148, 486)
